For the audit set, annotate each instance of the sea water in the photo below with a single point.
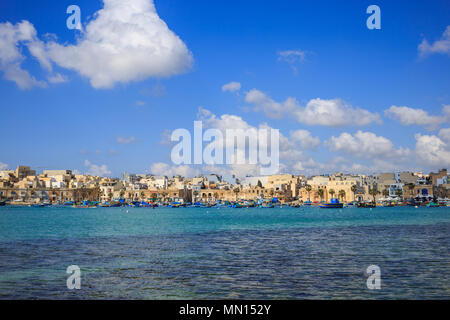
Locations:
(215, 253)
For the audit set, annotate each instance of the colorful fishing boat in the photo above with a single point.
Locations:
(366, 205)
(333, 204)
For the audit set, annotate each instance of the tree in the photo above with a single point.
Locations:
(320, 193)
(342, 194)
(236, 191)
(354, 188)
(332, 192)
(373, 192)
(142, 195)
(399, 193)
(411, 187)
(110, 196)
(154, 196)
(260, 184)
(385, 193)
(216, 195)
(195, 195)
(122, 193)
(308, 189)
(272, 192)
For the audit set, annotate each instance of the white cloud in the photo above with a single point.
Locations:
(3, 166)
(97, 170)
(291, 148)
(11, 57)
(140, 103)
(335, 113)
(444, 134)
(124, 140)
(231, 87)
(166, 138)
(292, 57)
(410, 116)
(446, 112)
(270, 107)
(330, 113)
(161, 168)
(306, 165)
(305, 139)
(225, 121)
(126, 41)
(57, 78)
(432, 151)
(366, 145)
(439, 46)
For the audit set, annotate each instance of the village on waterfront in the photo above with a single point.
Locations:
(24, 186)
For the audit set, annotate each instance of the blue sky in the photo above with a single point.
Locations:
(331, 54)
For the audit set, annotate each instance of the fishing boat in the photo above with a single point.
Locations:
(267, 205)
(366, 205)
(333, 204)
(176, 205)
(43, 204)
(2, 203)
(307, 203)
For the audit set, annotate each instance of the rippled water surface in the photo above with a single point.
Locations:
(289, 253)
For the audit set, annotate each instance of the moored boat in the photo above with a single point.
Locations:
(366, 205)
(333, 204)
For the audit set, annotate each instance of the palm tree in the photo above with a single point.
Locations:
(308, 188)
(110, 195)
(236, 191)
(195, 195)
(354, 188)
(373, 192)
(216, 195)
(332, 192)
(320, 193)
(342, 194)
(399, 193)
(142, 195)
(385, 193)
(122, 193)
(411, 187)
(154, 196)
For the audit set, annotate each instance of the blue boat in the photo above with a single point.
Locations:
(334, 204)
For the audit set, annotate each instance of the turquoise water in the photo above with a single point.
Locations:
(200, 253)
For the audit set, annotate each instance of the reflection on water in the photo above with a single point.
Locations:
(262, 260)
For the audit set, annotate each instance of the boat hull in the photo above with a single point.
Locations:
(332, 206)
